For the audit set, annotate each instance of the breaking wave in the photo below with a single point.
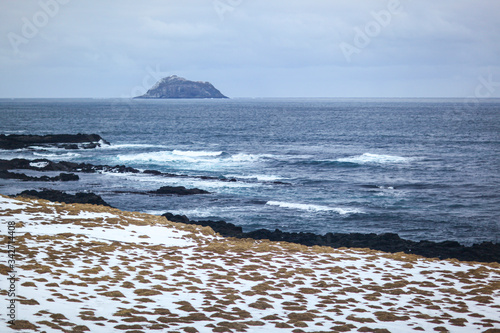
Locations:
(257, 177)
(368, 158)
(186, 156)
(314, 208)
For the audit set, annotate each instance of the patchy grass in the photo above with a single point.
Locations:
(231, 285)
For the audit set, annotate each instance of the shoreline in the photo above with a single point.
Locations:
(154, 274)
(388, 242)
(486, 251)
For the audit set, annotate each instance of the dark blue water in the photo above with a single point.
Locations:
(425, 169)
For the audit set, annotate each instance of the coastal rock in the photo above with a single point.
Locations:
(178, 87)
(48, 165)
(388, 242)
(178, 190)
(176, 218)
(67, 141)
(222, 227)
(63, 177)
(43, 164)
(59, 196)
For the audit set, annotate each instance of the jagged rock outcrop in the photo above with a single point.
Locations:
(67, 141)
(43, 164)
(178, 190)
(63, 177)
(59, 196)
(178, 87)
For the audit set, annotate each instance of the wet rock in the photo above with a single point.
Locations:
(47, 165)
(59, 196)
(63, 177)
(67, 141)
(176, 218)
(178, 190)
(67, 177)
(222, 227)
(152, 172)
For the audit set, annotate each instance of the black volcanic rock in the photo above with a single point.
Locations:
(388, 242)
(178, 190)
(222, 227)
(176, 218)
(67, 141)
(63, 177)
(178, 87)
(43, 164)
(59, 196)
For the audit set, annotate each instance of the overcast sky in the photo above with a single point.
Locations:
(251, 48)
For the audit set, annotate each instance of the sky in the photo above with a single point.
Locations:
(251, 48)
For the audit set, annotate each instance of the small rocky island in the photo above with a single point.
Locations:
(178, 87)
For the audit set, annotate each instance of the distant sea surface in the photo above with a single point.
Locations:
(426, 169)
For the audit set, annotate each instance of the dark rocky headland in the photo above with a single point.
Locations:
(66, 141)
(178, 87)
(59, 196)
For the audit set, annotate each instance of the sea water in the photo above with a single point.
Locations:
(422, 168)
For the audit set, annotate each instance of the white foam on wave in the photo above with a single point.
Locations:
(163, 157)
(196, 153)
(205, 158)
(15, 132)
(241, 157)
(368, 158)
(152, 182)
(196, 213)
(130, 145)
(47, 155)
(262, 178)
(39, 165)
(314, 208)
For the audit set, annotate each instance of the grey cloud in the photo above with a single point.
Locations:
(255, 48)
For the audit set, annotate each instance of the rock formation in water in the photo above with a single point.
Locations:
(59, 196)
(66, 141)
(178, 87)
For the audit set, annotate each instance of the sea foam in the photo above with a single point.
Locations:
(258, 177)
(368, 158)
(196, 153)
(186, 156)
(314, 208)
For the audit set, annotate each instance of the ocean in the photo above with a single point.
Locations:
(426, 169)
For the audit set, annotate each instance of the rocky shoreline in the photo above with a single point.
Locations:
(43, 164)
(388, 242)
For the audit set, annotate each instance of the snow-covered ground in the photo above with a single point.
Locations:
(91, 268)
